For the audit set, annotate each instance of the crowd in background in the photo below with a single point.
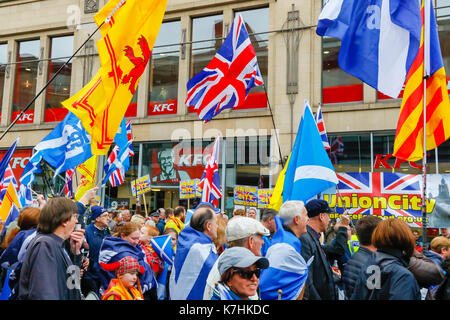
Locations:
(295, 253)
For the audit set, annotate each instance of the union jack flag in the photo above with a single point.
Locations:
(7, 178)
(226, 81)
(336, 149)
(68, 188)
(210, 181)
(117, 176)
(318, 118)
(382, 194)
(130, 138)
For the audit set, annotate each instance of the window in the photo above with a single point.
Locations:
(59, 90)
(256, 23)
(207, 39)
(164, 70)
(3, 61)
(25, 79)
(337, 85)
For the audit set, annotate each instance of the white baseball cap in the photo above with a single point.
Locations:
(243, 227)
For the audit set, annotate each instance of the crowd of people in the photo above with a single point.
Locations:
(70, 250)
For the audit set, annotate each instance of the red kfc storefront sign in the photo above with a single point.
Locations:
(19, 160)
(162, 108)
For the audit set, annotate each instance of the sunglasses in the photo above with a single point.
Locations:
(247, 274)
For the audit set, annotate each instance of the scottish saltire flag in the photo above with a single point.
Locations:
(28, 175)
(13, 215)
(7, 178)
(210, 181)
(112, 250)
(379, 39)
(409, 144)
(309, 171)
(67, 146)
(4, 163)
(226, 81)
(321, 127)
(194, 258)
(287, 270)
(163, 247)
(118, 161)
(68, 187)
(222, 292)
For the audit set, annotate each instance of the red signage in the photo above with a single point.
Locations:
(27, 117)
(19, 160)
(381, 160)
(55, 114)
(162, 108)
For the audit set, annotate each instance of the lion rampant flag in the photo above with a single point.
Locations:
(88, 171)
(129, 31)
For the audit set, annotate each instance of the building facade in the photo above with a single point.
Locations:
(38, 36)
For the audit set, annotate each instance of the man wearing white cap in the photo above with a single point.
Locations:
(240, 232)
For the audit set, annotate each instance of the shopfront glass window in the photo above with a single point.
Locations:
(350, 153)
(337, 85)
(163, 91)
(257, 23)
(61, 48)
(25, 79)
(3, 61)
(207, 35)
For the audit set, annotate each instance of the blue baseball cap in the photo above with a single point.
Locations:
(208, 204)
(316, 207)
(97, 211)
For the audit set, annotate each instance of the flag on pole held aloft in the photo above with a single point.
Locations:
(309, 171)
(9, 199)
(28, 175)
(128, 36)
(210, 181)
(379, 39)
(88, 171)
(276, 199)
(318, 117)
(68, 187)
(4, 163)
(163, 247)
(118, 161)
(408, 144)
(226, 81)
(12, 215)
(66, 146)
(8, 178)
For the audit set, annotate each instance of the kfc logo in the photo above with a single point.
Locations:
(27, 117)
(168, 107)
(19, 160)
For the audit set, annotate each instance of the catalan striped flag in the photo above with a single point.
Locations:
(408, 143)
(321, 126)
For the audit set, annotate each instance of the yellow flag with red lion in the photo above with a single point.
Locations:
(129, 29)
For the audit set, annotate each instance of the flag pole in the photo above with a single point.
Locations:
(426, 69)
(273, 123)
(48, 83)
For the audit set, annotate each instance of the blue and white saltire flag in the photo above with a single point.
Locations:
(112, 250)
(163, 247)
(12, 215)
(379, 39)
(4, 163)
(194, 258)
(67, 146)
(118, 161)
(309, 170)
(318, 117)
(287, 270)
(226, 81)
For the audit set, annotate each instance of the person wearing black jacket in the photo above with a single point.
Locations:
(47, 272)
(364, 230)
(321, 284)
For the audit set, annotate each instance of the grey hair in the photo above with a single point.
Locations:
(290, 209)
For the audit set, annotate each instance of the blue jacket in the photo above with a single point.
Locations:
(160, 225)
(396, 281)
(353, 268)
(94, 237)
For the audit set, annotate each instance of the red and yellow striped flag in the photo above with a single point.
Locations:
(408, 143)
(128, 36)
(88, 171)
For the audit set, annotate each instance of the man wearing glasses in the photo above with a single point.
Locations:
(48, 272)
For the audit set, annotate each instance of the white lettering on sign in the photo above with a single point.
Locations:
(20, 161)
(26, 117)
(161, 107)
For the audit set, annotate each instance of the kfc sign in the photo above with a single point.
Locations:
(27, 117)
(19, 160)
(162, 108)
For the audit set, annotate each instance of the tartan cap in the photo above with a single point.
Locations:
(128, 265)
